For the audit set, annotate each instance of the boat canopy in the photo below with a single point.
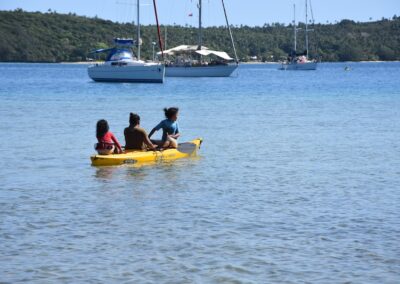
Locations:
(101, 50)
(182, 49)
(126, 42)
(221, 54)
(194, 49)
(119, 43)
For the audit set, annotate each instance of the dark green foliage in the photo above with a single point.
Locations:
(52, 37)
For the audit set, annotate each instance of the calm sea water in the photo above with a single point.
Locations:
(298, 179)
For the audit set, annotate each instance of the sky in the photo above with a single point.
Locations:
(246, 12)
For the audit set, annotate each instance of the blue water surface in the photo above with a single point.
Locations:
(298, 179)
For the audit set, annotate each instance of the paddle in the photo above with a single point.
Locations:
(187, 148)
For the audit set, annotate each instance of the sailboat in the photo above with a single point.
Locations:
(122, 66)
(198, 60)
(299, 61)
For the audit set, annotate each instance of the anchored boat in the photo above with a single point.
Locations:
(299, 61)
(185, 66)
(198, 60)
(122, 66)
(184, 150)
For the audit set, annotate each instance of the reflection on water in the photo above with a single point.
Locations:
(140, 170)
(104, 172)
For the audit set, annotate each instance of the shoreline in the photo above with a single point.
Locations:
(244, 63)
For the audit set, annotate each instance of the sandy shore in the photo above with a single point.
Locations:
(246, 63)
(92, 62)
(82, 62)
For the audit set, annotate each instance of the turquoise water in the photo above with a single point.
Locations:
(298, 179)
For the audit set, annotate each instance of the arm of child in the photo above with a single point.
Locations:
(177, 134)
(115, 140)
(158, 127)
(150, 145)
(152, 132)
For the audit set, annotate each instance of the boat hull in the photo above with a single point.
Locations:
(184, 150)
(299, 66)
(129, 74)
(200, 71)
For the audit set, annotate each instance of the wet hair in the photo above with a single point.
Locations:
(170, 112)
(102, 128)
(134, 119)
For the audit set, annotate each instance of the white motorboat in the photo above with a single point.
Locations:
(299, 61)
(198, 60)
(121, 66)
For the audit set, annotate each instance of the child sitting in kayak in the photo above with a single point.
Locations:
(170, 129)
(108, 143)
(136, 137)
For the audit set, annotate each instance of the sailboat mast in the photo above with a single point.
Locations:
(200, 43)
(158, 31)
(307, 28)
(295, 28)
(138, 29)
(230, 32)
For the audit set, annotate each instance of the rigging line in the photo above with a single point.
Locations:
(230, 32)
(125, 16)
(158, 29)
(312, 13)
(316, 44)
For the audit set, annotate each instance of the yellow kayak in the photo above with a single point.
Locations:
(184, 150)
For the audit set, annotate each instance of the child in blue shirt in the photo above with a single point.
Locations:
(170, 129)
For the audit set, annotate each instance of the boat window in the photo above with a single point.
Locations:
(122, 55)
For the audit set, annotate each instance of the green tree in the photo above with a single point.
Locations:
(54, 37)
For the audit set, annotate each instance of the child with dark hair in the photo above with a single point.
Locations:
(107, 142)
(136, 137)
(170, 129)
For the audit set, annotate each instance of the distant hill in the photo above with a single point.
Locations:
(53, 37)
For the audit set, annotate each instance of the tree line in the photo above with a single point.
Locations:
(54, 37)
